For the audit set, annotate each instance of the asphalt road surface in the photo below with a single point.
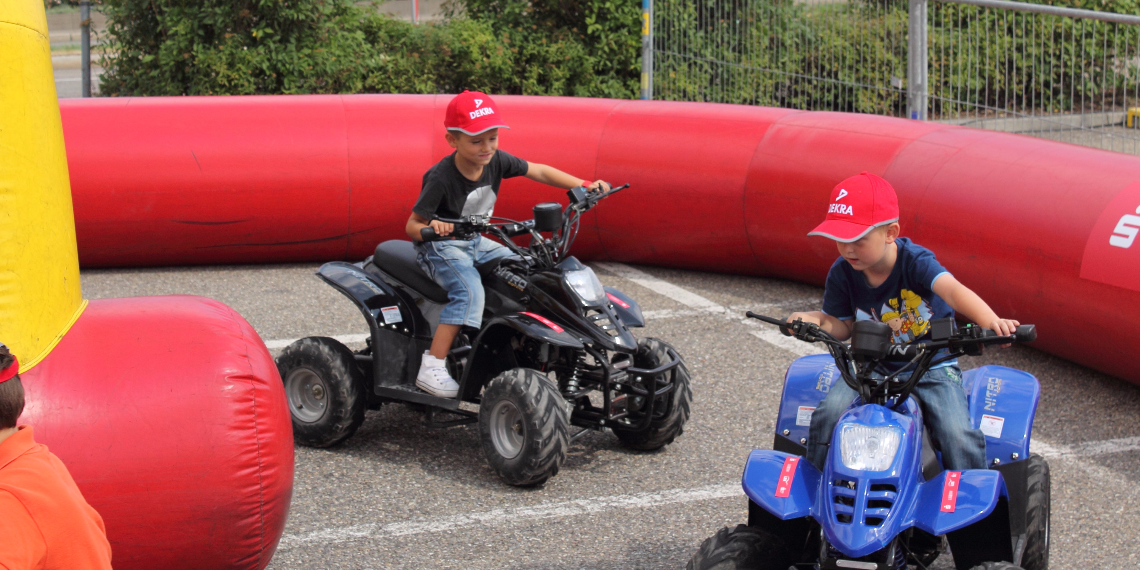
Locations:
(399, 495)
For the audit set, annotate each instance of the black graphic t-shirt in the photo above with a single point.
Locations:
(905, 301)
(448, 194)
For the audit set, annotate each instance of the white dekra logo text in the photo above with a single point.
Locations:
(481, 112)
(841, 209)
(478, 103)
(842, 193)
(1126, 229)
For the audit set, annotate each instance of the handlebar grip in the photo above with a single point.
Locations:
(428, 234)
(903, 352)
(785, 326)
(1026, 333)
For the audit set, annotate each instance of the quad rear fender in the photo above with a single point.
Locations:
(375, 299)
(398, 329)
(806, 384)
(491, 352)
(1003, 402)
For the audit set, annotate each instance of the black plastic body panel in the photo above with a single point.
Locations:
(395, 340)
(631, 316)
(987, 540)
(786, 445)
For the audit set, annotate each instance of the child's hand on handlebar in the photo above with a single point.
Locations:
(598, 186)
(442, 228)
(805, 317)
(1004, 327)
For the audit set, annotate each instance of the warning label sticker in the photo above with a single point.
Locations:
(991, 426)
(803, 416)
(391, 315)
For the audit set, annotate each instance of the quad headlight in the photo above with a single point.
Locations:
(585, 284)
(867, 448)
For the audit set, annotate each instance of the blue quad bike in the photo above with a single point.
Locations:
(883, 500)
(554, 351)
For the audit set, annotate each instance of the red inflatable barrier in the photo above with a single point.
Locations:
(179, 435)
(1042, 230)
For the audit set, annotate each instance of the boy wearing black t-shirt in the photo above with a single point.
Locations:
(466, 183)
(884, 277)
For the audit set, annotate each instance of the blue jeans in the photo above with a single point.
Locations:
(452, 265)
(945, 413)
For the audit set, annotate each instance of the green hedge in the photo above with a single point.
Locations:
(215, 47)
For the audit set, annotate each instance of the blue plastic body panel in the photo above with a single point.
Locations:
(850, 520)
(978, 493)
(1006, 400)
(762, 474)
(872, 525)
(805, 385)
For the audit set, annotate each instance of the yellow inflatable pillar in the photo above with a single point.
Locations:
(40, 296)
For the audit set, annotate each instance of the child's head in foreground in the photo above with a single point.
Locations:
(472, 122)
(863, 219)
(11, 390)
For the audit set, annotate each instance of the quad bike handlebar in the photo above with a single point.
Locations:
(546, 251)
(870, 348)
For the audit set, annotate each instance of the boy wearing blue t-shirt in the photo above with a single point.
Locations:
(882, 276)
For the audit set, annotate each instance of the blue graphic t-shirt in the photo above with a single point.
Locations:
(905, 301)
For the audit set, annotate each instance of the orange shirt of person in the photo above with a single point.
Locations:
(45, 523)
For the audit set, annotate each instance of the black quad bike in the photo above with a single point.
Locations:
(554, 350)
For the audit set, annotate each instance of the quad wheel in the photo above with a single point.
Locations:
(524, 427)
(325, 390)
(670, 412)
(1036, 555)
(741, 548)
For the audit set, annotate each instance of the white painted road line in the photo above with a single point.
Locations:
(773, 336)
(764, 332)
(1086, 449)
(682, 296)
(344, 338)
(499, 517)
(524, 514)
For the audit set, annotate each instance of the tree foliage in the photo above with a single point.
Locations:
(216, 47)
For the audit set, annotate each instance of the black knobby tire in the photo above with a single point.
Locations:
(996, 566)
(1036, 555)
(741, 548)
(670, 412)
(524, 427)
(325, 391)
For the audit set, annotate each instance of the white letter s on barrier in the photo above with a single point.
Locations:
(1126, 230)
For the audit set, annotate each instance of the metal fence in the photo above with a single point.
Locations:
(1057, 73)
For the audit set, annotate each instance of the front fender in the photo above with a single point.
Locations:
(626, 308)
(781, 483)
(535, 329)
(977, 495)
(487, 358)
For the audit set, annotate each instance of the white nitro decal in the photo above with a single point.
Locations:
(391, 315)
(992, 425)
(1126, 229)
(803, 416)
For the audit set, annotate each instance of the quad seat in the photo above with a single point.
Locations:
(397, 258)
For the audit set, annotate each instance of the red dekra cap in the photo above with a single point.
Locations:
(858, 205)
(472, 113)
(11, 371)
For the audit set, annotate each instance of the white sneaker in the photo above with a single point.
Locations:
(434, 379)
